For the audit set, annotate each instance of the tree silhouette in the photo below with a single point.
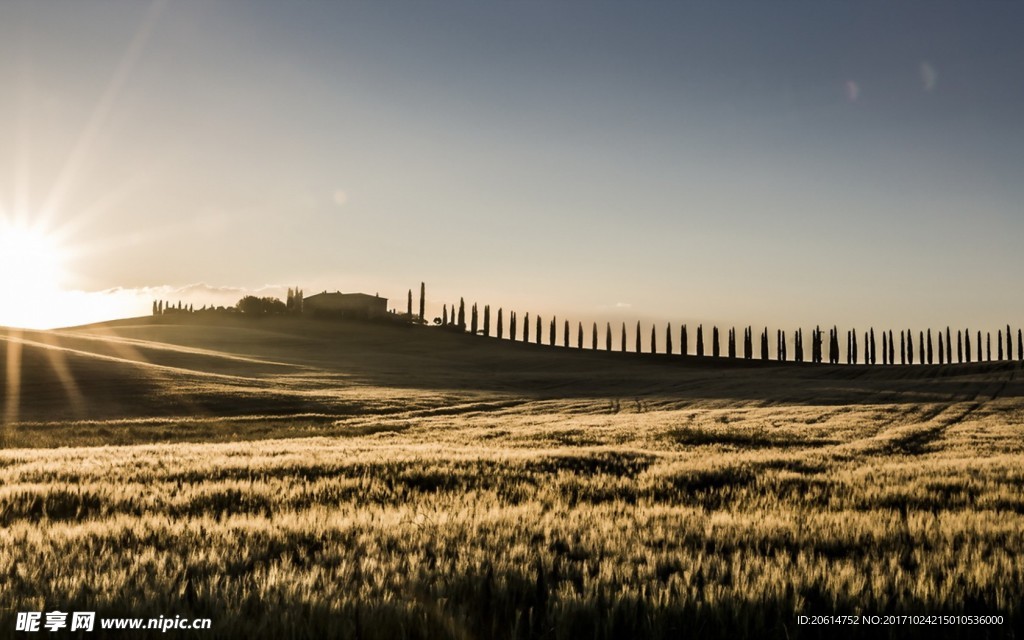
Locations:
(684, 343)
(409, 311)
(526, 327)
(700, 340)
(608, 337)
(942, 350)
(500, 327)
(540, 332)
(552, 338)
(473, 320)
(903, 347)
(668, 339)
(967, 345)
(798, 345)
(423, 298)
(999, 342)
(622, 344)
(764, 344)
(253, 306)
(1009, 344)
(512, 326)
(885, 350)
(565, 337)
(853, 335)
(579, 337)
(593, 341)
(929, 346)
(715, 350)
(654, 340)
(780, 345)
(949, 347)
(444, 315)
(979, 345)
(988, 346)
(638, 336)
(732, 342)
(959, 347)
(487, 320)
(462, 314)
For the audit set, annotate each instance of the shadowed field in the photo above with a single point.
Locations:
(308, 479)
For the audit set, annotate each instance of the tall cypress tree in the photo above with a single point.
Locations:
(462, 314)
(565, 338)
(593, 340)
(540, 333)
(512, 326)
(501, 333)
(654, 339)
(715, 350)
(444, 315)
(949, 347)
(1009, 344)
(700, 340)
(942, 350)
(999, 341)
(988, 346)
(608, 336)
(668, 339)
(798, 343)
(903, 347)
(552, 338)
(959, 347)
(979, 345)
(622, 344)
(967, 345)
(409, 312)
(885, 350)
(732, 342)
(638, 337)
(764, 344)
(487, 320)
(423, 294)
(526, 327)
(473, 320)
(929, 346)
(579, 337)
(780, 349)
(854, 346)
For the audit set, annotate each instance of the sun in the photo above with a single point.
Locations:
(31, 274)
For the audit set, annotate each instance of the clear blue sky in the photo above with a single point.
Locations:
(784, 163)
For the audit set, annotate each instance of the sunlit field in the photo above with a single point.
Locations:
(309, 480)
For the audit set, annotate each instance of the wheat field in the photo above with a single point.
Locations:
(384, 483)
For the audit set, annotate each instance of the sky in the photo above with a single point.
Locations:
(781, 164)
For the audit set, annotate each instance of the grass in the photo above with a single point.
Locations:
(540, 503)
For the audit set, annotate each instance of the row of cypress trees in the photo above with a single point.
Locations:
(922, 348)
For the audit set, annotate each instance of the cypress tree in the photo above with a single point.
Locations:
(999, 341)
(854, 335)
(764, 344)
(785, 346)
(579, 337)
(715, 350)
(942, 350)
(608, 336)
(423, 294)
(622, 344)
(798, 343)
(501, 333)
(700, 340)
(512, 326)
(967, 345)
(988, 347)
(654, 339)
(668, 339)
(540, 333)
(885, 349)
(979, 345)
(487, 320)
(684, 343)
(903, 348)
(473, 320)
(593, 340)
(526, 327)
(552, 337)
(409, 311)
(638, 337)
(1009, 344)
(949, 347)
(444, 315)
(565, 337)
(462, 314)
(959, 347)
(732, 342)
(929, 346)
(780, 349)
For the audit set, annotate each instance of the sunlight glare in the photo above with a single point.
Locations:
(31, 273)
